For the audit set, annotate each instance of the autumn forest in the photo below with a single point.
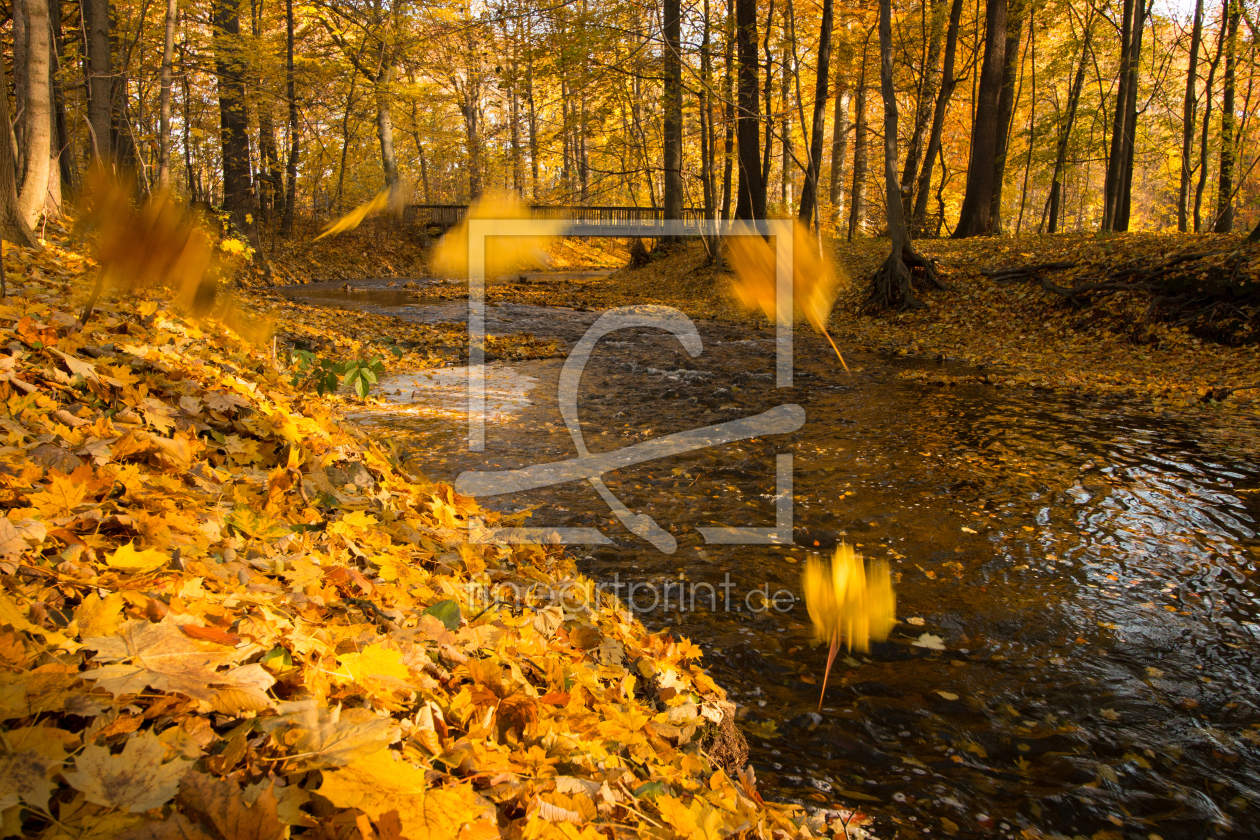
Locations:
(1014, 117)
(849, 426)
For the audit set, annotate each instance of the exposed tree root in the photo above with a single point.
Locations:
(892, 284)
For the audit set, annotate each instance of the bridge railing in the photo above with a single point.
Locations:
(449, 215)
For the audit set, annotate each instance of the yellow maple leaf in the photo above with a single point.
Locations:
(379, 783)
(97, 616)
(62, 495)
(135, 780)
(128, 559)
(374, 662)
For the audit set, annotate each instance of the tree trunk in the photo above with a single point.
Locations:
(1120, 121)
(839, 151)
(164, 100)
(786, 193)
(100, 75)
(892, 284)
(62, 151)
(751, 202)
(728, 158)
(533, 124)
(672, 127)
(976, 215)
(1065, 134)
(37, 136)
(13, 226)
(1006, 108)
(295, 137)
(857, 199)
(918, 220)
(927, 96)
(809, 193)
(238, 186)
(1207, 124)
(1032, 123)
(1187, 120)
(1129, 145)
(1225, 179)
(767, 95)
(707, 151)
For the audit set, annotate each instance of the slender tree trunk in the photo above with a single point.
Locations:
(1122, 117)
(63, 151)
(892, 284)
(1187, 120)
(100, 75)
(809, 193)
(1065, 135)
(385, 120)
(1124, 205)
(1032, 123)
(839, 151)
(1225, 178)
(976, 215)
(707, 151)
(164, 100)
(751, 202)
(918, 219)
(238, 187)
(769, 114)
(533, 124)
(786, 195)
(37, 136)
(672, 128)
(295, 135)
(728, 159)
(857, 200)
(13, 226)
(926, 97)
(1006, 109)
(1207, 125)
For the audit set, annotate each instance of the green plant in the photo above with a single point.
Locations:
(326, 375)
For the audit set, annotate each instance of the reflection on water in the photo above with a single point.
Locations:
(1088, 569)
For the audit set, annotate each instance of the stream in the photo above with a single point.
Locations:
(1079, 609)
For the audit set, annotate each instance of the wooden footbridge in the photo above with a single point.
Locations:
(581, 217)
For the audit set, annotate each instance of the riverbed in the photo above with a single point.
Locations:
(1078, 605)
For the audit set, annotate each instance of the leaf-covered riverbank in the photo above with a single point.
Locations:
(227, 612)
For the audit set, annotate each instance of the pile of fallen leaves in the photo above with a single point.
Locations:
(1029, 336)
(227, 613)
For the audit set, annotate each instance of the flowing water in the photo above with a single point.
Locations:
(1077, 652)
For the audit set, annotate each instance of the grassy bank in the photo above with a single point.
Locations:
(225, 611)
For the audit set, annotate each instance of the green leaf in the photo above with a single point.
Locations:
(650, 790)
(446, 612)
(253, 523)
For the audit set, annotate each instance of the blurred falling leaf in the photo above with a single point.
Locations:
(160, 244)
(387, 199)
(815, 282)
(504, 254)
(846, 603)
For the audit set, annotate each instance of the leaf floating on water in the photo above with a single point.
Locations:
(927, 640)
